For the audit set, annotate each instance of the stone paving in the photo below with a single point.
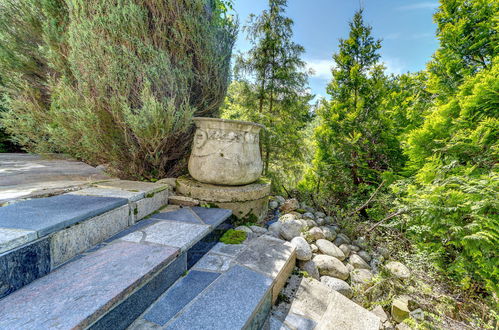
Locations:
(93, 290)
(28, 175)
(230, 287)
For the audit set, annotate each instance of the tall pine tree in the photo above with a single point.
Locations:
(271, 88)
(355, 144)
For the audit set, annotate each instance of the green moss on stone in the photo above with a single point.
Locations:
(232, 236)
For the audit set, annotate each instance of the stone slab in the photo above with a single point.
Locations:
(133, 186)
(212, 216)
(28, 175)
(80, 292)
(47, 215)
(138, 226)
(182, 215)
(229, 303)
(179, 295)
(230, 250)
(342, 313)
(67, 243)
(217, 193)
(214, 263)
(23, 265)
(172, 233)
(121, 316)
(267, 255)
(152, 202)
(110, 192)
(12, 238)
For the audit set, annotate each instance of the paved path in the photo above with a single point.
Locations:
(28, 175)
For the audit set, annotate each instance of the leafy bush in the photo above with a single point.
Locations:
(114, 82)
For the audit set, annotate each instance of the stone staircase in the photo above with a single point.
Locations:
(86, 260)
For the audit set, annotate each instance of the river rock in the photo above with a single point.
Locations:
(399, 270)
(308, 215)
(320, 221)
(360, 276)
(310, 267)
(275, 228)
(287, 217)
(315, 233)
(354, 248)
(400, 310)
(290, 205)
(380, 312)
(314, 248)
(338, 285)
(326, 247)
(345, 249)
(320, 215)
(330, 266)
(357, 262)
(311, 223)
(329, 220)
(303, 250)
(290, 229)
(280, 199)
(273, 205)
(341, 239)
(361, 242)
(329, 234)
(258, 230)
(384, 252)
(364, 255)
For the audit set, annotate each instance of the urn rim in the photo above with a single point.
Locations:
(198, 119)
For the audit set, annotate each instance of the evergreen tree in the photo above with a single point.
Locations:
(271, 89)
(355, 142)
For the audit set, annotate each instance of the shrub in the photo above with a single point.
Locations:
(114, 82)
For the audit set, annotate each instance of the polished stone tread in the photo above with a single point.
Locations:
(47, 215)
(80, 292)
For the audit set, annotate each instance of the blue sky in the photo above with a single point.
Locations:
(405, 26)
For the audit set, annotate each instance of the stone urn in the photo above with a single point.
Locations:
(226, 152)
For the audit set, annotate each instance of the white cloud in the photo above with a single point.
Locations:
(393, 65)
(419, 5)
(321, 68)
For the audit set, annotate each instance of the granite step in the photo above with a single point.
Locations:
(39, 235)
(111, 284)
(231, 287)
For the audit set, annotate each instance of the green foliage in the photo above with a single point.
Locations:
(270, 89)
(355, 140)
(232, 236)
(114, 83)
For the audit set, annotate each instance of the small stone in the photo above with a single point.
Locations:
(315, 233)
(182, 200)
(329, 220)
(331, 266)
(360, 276)
(360, 242)
(273, 205)
(380, 312)
(320, 221)
(290, 229)
(349, 267)
(335, 228)
(320, 215)
(311, 223)
(345, 249)
(280, 199)
(399, 270)
(290, 205)
(247, 230)
(375, 263)
(400, 310)
(287, 217)
(275, 228)
(296, 214)
(338, 285)
(402, 326)
(341, 239)
(303, 250)
(310, 267)
(329, 234)
(258, 230)
(417, 314)
(354, 248)
(330, 249)
(384, 252)
(314, 248)
(308, 215)
(364, 255)
(309, 209)
(357, 262)
(388, 325)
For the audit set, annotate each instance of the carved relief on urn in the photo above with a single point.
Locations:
(226, 152)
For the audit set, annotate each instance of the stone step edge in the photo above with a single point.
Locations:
(37, 258)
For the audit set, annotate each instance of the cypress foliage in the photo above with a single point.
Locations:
(115, 82)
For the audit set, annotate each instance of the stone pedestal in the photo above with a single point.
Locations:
(248, 202)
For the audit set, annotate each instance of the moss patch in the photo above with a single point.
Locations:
(232, 236)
